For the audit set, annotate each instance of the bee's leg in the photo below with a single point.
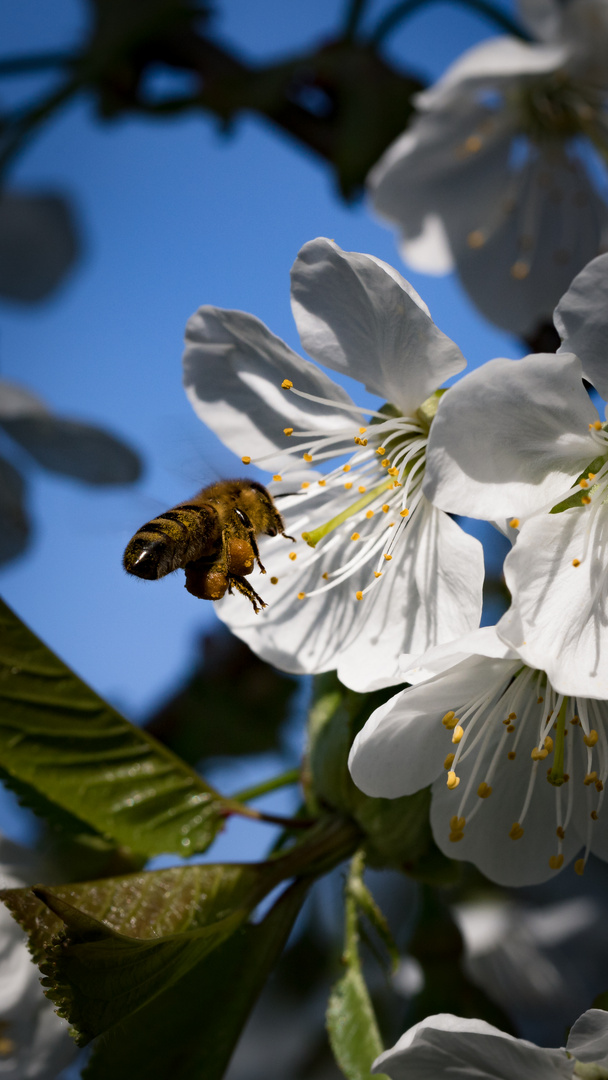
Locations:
(288, 537)
(243, 586)
(244, 520)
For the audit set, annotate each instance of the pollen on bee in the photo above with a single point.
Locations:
(403, 513)
(556, 862)
(591, 738)
(286, 384)
(301, 595)
(277, 477)
(348, 486)
(377, 573)
(516, 832)
(246, 459)
(288, 431)
(274, 581)
(355, 536)
(369, 514)
(388, 557)
(292, 556)
(514, 523)
(385, 508)
(359, 595)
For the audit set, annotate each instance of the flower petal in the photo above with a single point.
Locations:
(581, 318)
(557, 621)
(588, 1038)
(481, 642)
(510, 437)
(402, 746)
(233, 370)
(446, 1045)
(496, 61)
(357, 315)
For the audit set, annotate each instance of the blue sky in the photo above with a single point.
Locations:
(173, 214)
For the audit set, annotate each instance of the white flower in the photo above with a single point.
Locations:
(34, 1042)
(375, 570)
(513, 441)
(494, 175)
(448, 1046)
(518, 770)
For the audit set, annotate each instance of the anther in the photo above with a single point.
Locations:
(510, 728)
(590, 778)
(591, 738)
(362, 489)
(597, 424)
(325, 576)
(292, 556)
(449, 721)
(286, 384)
(575, 720)
(348, 485)
(556, 862)
(321, 483)
(307, 457)
(511, 755)
(473, 144)
(539, 700)
(369, 514)
(539, 755)
(246, 460)
(512, 716)
(346, 468)
(385, 464)
(583, 483)
(591, 475)
(377, 573)
(520, 270)
(579, 867)
(452, 780)
(393, 471)
(403, 513)
(274, 581)
(288, 431)
(560, 833)
(359, 595)
(454, 837)
(484, 790)
(593, 815)
(476, 239)
(457, 824)
(362, 430)
(277, 477)
(301, 595)
(381, 450)
(548, 744)
(355, 536)
(586, 499)
(449, 761)
(599, 785)
(457, 734)
(385, 508)
(514, 523)
(576, 562)
(388, 557)
(305, 484)
(516, 832)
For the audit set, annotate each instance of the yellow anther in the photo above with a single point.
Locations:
(450, 720)
(579, 867)
(381, 450)
(539, 700)
(393, 471)
(388, 557)
(369, 514)
(484, 790)
(363, 442)
(560, 833)
(274, 581)
(514, 523)
(539, 755)
(292, 556)
(346, 468)
(473, 144)
(301, 595)
(511, 755)
(548, 744)
(476, 239)
(385, 508)
(556, 862)
(586, 499)
(516, 832)
(457, 734)
(348, 485)
(385, 464)
(452, 780)
(246, 459)
(325, 576)
(512, 716)
(449, 761)
(583, 483)
(507, 721)
(454, 837)
(593, 815)
(510, 728)
(590, 778)
(591, 475)
(576, 562)
(457, 824)
(520, 270)
(359, 595)
(599, 785)
(591, 738)
(307, 457)
(277, 477)
(362, 430)
(306, 484)
(286, 384)
(361, 489)
(355, 536)
(597, 424)
(377, 573)
(403, 513)
(321, 483)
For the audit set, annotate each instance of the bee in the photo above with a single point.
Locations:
(212, 537)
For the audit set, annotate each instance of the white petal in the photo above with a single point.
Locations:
(233, 370)
(542, 17)
(482, 642)
(360, 317)
(496, 61)
(581, 318)
(558, 617)
(588, 1038)
(510, 437)
(403, 745)
(429, 252)
(445, 1045)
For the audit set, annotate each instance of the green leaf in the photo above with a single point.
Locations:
(108, 947)
(63, 740)
(228, 680)
(190, 1030)
(351, 1021)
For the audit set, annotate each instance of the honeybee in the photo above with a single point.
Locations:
(212, 536)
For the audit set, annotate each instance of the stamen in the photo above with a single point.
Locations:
(246, 459)
(556, 775)
(453, 780)
(312, 538)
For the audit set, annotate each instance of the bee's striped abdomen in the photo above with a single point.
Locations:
(181, 535)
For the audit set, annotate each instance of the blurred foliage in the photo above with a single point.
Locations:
(39, 244)
(231, 703)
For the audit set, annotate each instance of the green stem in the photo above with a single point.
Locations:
(292, 776)
(403, 10)
(328, 843)
(556, 776)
